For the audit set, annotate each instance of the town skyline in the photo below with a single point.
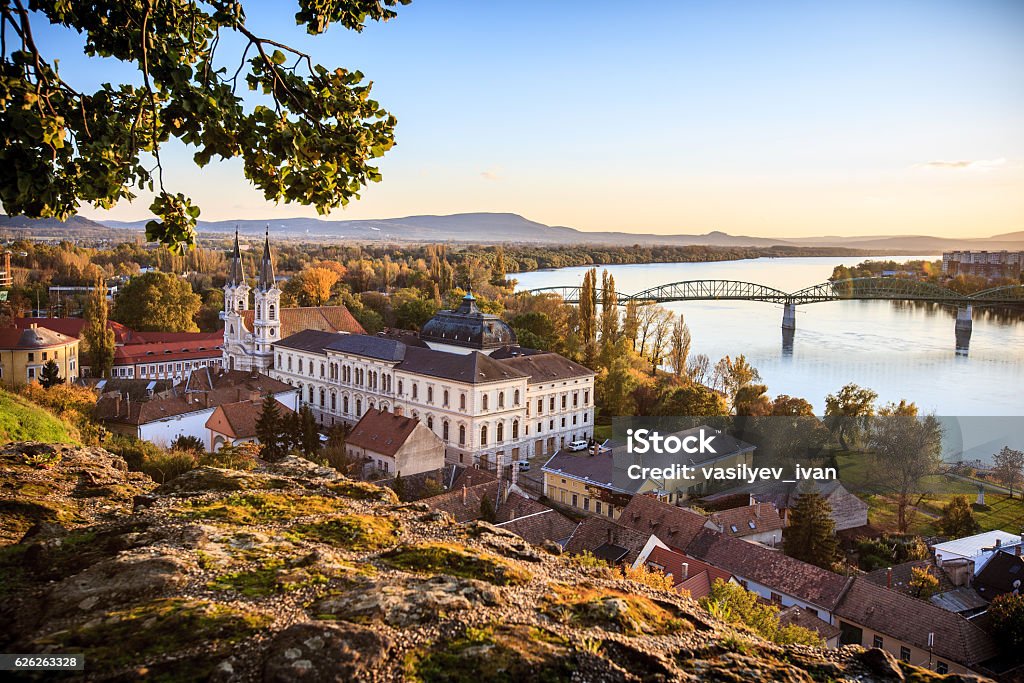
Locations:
(789, 121)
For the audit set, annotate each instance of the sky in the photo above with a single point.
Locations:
(781, 119)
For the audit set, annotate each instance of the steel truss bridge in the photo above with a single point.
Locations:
(856, 289)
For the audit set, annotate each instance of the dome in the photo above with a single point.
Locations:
(469, 327)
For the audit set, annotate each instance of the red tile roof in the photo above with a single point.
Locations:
(533, 520)
(749, 520)
(381, 431)
(238, 420)
(322, 318)
(463, 503)
(674, 525)
(769, 568)
(910, 620)
(594, 532)
(161, 352)
(697, 578)
(72, 327)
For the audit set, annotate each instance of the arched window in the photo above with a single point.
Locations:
(300, 364)
(517, 397)
(415, 390)
(430, 394)
(444, 430)
(500, 432)
(400, 383)
(344, 404)
(445, 397)
(259, 311)
(430, 422)
(310, 393)
(241, 305)
(515, 429)
(483, 435)
(289, 363)
(272, 312)
(462, 402)
(323, 401)
(462, 435)
(322, 369)
(334, 402)
(501, 399)
(484, 401)
(359, 407)
(231, 329)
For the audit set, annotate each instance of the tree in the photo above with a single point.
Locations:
(157, 302)
(923, 583)
(736, 605)
(487, 509)
(731, 375)
(846, 413)
(810, 535)
(62, 147)
(316, 284)
(97, 336)
(588, 316)
(1008, 467)
(50, 374)
(791, 406)
(752, 401)
(957, 518)
(679, 347)
(692, 400)
(617, 383)
(309, 433)
(1006, 612)
(609, 317)
(905, 450)
(269, 430)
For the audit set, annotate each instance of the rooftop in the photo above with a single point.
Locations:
(322, 318)
(382, 431)
(595, 532)
(468, 327)
(31, 338)
(238, 420)
(749, 520)
(675, 526)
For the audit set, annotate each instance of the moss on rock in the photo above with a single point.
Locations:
(455, 560)
(352, 532)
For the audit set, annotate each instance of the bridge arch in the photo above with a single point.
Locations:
(1006, 294)
(876, 288)
(711, 290)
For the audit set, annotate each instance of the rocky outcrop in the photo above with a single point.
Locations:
(291, 572)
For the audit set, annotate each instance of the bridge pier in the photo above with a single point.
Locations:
(789, 316)
(964, 326)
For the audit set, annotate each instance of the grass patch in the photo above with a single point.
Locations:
(22, 420)
(138, 634)
(273, 577)
(455, 560)
(360, 490)
(260, 508)
(352, 532)
(505, 654)
(612, 610)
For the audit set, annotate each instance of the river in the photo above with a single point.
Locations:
(898, 350)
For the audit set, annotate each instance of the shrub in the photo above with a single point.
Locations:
(187, 442)
(1007, 614)
(648, 577)
(134, 451)
(736, 605)
(240, 457)
(167, 465)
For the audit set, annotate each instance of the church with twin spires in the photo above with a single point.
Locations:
(254, 320)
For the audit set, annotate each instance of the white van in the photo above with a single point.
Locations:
(578, 446)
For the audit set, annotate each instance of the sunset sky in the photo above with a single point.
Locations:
(780, 118)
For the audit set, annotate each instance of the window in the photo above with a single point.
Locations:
(878, 642)
(445, 398)
(289, 363)
(611, 510)
(500, 432)
(904, 653)
(776, 598)
(586, 397)
(597, 507)
(310, 393)
(415, 390)
(462, 402)
(31, 357)
(942, 668)
(552, 402)
(400, 387)
(344, 404)
(430, 422)
(323, 394)
(501, 399)
(515, 429)
(516, 397)
(462, 435)
(444, 430)
(586, 504)
(31, 373)
(564, 398)
(483, 435)
(484, 402)
(540, 406)
(430, 394)
(359, 407)
(575, 501)
(272, 312)
(575, 399)
(334, 402)
(44, 355)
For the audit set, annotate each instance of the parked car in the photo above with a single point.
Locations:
(578, 446)
(524, 465)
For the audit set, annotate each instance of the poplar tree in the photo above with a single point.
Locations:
(588, 316)
(98, 337)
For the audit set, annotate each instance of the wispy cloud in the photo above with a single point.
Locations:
(493, 173)
(965, 165)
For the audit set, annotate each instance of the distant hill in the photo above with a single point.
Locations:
(75, 223)
(461, 227)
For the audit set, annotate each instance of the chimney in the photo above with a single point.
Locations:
(999, 543)
(888, 577)
(1016, 551)
(117, 404)
(757, 510)
(686, 571)
(398, 411)
(463, 494)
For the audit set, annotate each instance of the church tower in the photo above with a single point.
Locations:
(267, 321)
(236, 301)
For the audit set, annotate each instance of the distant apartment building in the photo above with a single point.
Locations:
(989, 264)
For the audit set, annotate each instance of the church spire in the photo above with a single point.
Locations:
(266, 265)
(236, 273)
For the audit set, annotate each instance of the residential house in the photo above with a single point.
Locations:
(756, 523)
(533, 521)
(915, 631)
(979, 548)
(781, 579)
(185, 410)
(607, 541)
(848, 511)
(24, 352)
(1003, 573)
(673, 525)
(689, 575)
(796, 616)
(232, 424)
(393, 443)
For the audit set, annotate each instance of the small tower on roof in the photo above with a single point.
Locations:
(267, 321)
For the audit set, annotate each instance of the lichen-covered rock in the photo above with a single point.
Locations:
(320, 653)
